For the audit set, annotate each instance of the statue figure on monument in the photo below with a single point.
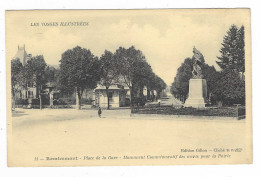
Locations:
(198, 62)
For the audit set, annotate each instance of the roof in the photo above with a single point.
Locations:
(112, 87)
(21, 54)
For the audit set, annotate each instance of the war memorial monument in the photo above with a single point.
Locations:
(197, 85)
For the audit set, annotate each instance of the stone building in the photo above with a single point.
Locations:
(29, 91)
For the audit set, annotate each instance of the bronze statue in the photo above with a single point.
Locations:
(198, 62)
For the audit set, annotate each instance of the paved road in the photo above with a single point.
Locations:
(167, 101)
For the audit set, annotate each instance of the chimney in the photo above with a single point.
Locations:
(18, 46)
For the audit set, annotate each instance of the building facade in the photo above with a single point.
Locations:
(118, 96)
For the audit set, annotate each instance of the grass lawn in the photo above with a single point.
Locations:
(208, 111)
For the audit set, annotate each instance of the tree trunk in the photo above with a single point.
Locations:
(131, 96)
(13, 99)
(148, 94)
(107, 98)
(40, 97)
(78, 99)
(13, 103)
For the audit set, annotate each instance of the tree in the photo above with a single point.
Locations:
(211, 76)
(16, 69)
(180, 86)
(232, 50)
(34, 72)
(144, 76)
(150, 83)
(129, 64)
(241, 50)
(132, 66)
(52, 74)
(79, 70)
(108, 74)
(230, 88)
(157, 84)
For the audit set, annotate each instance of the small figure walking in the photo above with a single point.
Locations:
(99, 112)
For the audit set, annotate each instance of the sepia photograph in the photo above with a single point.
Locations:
(128, 87)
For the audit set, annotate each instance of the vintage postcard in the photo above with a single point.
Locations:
(128, 87)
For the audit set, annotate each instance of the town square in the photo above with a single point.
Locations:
(128, 88)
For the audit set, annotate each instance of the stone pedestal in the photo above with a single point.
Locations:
(197, 93)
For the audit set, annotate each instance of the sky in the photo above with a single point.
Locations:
(166, 37)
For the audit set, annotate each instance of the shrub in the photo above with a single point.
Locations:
(86, 101)
(35, 101)
(45, 99)
(66, 101)
(222, 112)
(138, 101)
(56, 102)
(21, 101)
